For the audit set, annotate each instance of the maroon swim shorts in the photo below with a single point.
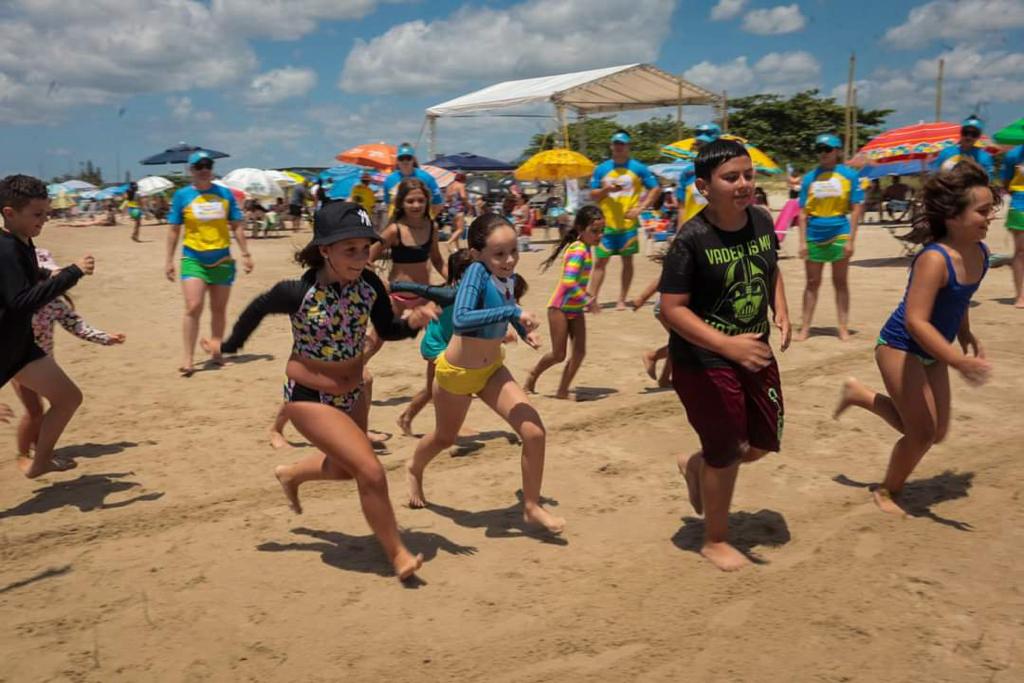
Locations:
(731, 408)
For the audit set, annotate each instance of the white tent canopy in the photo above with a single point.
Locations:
(616, 88)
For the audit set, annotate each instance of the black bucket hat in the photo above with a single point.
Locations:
(336, 221)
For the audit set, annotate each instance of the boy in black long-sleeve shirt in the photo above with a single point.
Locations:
(24, 289)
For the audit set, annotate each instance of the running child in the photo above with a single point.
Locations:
(131, 204)
(60, 310)
(570, 299)
(652, 356)
(915, 347)
(719, 279)
(24, 289)
(330, 308)
(473, 364)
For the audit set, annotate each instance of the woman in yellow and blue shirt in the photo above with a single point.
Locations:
(1013, 180)
(206, 211)
(831, 203)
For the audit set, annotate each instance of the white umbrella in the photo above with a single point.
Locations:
(153, 184)
(78, 185)
(253, 181)
(282, 179)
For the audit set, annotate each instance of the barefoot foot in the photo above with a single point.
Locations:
(689, 467)
(803, 335)
(883, 499)
(404, 423)
(32, 467)
(530, 385)
(563, 395)
(406, 564)
(277, 440)
(844, 334)
(724, 556)
(621, 306)
(848, 394)
(291, 490)
(650, 365)
(416, 498)
(1019, 303)
(541, 517)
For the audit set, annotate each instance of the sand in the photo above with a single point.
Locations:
(169, 554)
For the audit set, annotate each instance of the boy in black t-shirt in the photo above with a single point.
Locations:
(718, 280)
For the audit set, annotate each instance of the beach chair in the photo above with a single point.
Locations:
(657, 232)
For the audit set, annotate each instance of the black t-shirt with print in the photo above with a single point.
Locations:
(730, 277)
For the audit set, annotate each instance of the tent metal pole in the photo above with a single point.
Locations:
(432, 136)
(581, 138)
(560, 109)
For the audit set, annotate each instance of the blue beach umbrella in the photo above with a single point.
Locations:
(179, 154)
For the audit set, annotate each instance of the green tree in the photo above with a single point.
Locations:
(785, 128)
(92, 174)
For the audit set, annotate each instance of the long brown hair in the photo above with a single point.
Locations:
(946, 195)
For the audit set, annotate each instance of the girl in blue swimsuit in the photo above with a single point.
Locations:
(915, 348)
(473, 364)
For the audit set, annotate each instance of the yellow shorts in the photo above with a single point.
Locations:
(464, 381)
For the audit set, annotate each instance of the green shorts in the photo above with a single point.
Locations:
(221, 274)
(827, 251)
(617, 243)
(1015, 219)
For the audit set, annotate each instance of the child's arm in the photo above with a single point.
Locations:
(781, 309)
(435, 257)
(284, 297)
(928, 277)
(646, 293)
(967, 338)
(76, 325)
(387, 239)
(744, 349)
(19, 296)
(442, 296)
(466, 317)
(388, 325)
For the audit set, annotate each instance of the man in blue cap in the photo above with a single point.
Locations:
(829, 193)
(209, 215)
(408, 168)
(970, 132)
(692, 202)
(617, 186)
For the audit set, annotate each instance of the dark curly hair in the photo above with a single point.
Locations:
(16, 191)
(946, 195)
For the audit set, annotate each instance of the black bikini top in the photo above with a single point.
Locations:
(420, 253)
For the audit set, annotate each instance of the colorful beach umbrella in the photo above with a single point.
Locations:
(179, 154)
(464, 161)
(239, 195)
(1013, 134)
(683, 149)
(283, 179)
(442, 176)
(377, 155)
(78, 186)
(555, 165)
(671, 172)
(254, 182)
(915, 142)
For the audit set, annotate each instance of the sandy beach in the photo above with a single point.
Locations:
(170, 554)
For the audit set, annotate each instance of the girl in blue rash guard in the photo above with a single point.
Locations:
(473, 364)
(330, 308)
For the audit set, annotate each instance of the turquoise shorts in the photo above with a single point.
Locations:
(618, 243)
(222, 273)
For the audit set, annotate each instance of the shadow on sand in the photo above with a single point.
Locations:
(746, 531)
(920, 495)
(45, 574)
(86, 493)
(501, 522)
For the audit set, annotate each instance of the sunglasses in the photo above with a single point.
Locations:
(970, 133)
(823, 149)
(203, 165)
(405, 158)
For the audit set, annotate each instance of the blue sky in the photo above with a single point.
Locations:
(293, 82)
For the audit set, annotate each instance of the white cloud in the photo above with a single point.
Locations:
(279, 85)
(967, 62)
(288, 19)
(946, 19)
(727, 9)
(780, 72)
(774, 21)
(532, 38)
(101, 51)
(182, 109)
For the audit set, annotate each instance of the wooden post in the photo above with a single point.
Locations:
(849, 101)
(560, 110)
(432, 136)
(581, 139)
(938, 91)
(853, 125)
(725, 112)
(679, 114)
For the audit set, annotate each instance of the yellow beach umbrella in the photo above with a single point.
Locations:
(555, 165)
(63, 200)
(297, 177)
(683, 149)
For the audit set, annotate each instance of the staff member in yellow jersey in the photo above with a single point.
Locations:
(829, 192)
(362, 193)
(617, 185)
(206, 210)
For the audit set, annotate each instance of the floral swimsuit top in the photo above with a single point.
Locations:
(329, 321)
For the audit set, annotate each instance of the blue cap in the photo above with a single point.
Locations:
(406, 151)
(973, 122)
(622, 138)
(195, 157)
(708, 132)
(827, 140)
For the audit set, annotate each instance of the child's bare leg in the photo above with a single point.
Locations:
(45, 378)
(277, 439)
(194, 291)
(312, 467)
(559, 325)
(341, 440)
(31, 420)
(717, 484)
(690, 467)
(813, 270)
(449, 414)
(509, 401)
(665, 378)
(908, 383)
(219, 295)
(854, 393)
(418, 403)
(840, 282)
(578, 334)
